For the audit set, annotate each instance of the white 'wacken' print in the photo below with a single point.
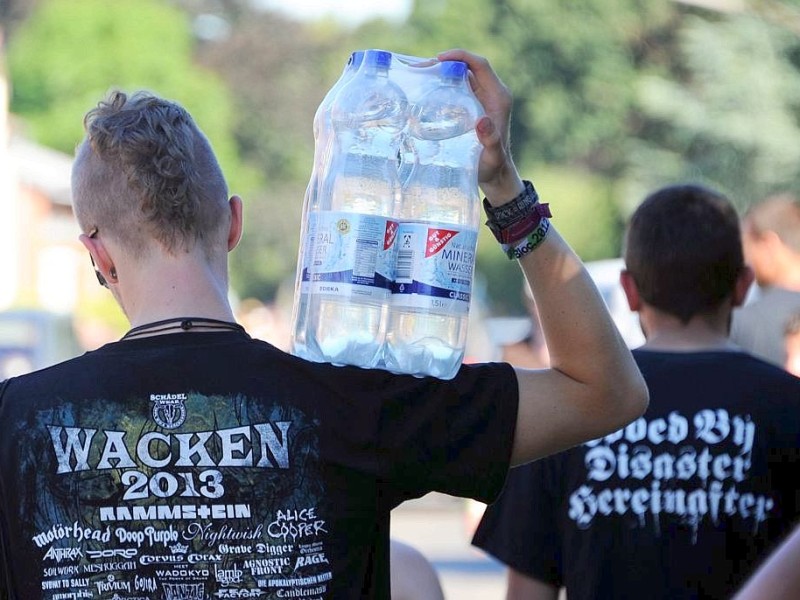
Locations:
(673, 466)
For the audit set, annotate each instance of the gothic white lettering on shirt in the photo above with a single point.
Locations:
(689, 469)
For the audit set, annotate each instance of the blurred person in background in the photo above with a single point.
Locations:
(528, 348)
(686, 501)
(521, 343)
(188, 438)
(771, 237)
(792, 344)
(413, 576)
(265, 322)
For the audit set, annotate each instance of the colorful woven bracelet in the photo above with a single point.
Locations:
(518, 218)
(521, 229)
(529, 243)
(511, 213)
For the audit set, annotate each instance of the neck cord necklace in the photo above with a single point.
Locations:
(182, 324)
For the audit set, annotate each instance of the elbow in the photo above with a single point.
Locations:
(631, 400)
(639, 398)
(618, 403)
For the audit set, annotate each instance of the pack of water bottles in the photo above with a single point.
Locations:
(390, 218)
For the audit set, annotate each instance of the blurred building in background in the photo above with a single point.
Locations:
(43, 271)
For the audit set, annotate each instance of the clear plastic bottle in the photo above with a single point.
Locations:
(352, 263)
(438, 232)
(323, 141)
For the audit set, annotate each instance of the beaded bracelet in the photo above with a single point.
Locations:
(529, 243)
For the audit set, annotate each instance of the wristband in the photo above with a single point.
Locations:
(516, 219)
(521, 229)
(530, 243)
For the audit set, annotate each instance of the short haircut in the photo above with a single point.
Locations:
(146, 171)
(780, 214)
(683, 249)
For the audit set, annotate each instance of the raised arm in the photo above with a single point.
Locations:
(521, 587)
(778, 578)
(593, 386)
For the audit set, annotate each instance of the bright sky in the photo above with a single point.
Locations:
(348, 11)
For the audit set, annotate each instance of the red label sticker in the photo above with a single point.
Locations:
(437, 239)
(390, 234)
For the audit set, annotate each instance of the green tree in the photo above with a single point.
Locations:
(14, 12)
(731, 118)
(67, 55)
(571, 67)
(584, 212)
(625, 94)
(279, 71)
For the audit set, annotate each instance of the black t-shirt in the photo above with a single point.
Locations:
(211, 465)
(682, 503)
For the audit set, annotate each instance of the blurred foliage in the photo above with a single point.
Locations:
(15, 12)
(101, 308)
(279, 72)
(613, 98)
(276, 69)
(571, 66)
(266, 257)
(585, 214)
(68, 55)
(731, 119)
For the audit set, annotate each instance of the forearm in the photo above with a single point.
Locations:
(522, 587)
(582, 339)
(594, 386)
(778, 578)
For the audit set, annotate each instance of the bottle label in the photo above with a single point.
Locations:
(434, 267)
(306, 252)
(351, 254)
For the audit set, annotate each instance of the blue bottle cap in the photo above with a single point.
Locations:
(379, 58)
(453, 69)
(356, 58)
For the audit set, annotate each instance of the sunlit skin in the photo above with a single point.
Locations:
(793, 353)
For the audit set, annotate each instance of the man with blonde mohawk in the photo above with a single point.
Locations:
(188, 460)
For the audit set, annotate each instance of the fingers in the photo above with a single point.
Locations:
(490, 91)
(497, 173)
(493, 154)
(487, 133)
(483, 78)
(477, 64)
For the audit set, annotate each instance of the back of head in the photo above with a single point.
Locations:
(146, 172)
(683, 250)
(779, 214)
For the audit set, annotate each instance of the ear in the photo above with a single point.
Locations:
(631, 291)
(102, 260)
(235, 233)
(742, 285)
(770, 240)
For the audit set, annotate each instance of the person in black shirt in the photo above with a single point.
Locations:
(188, 460)
(685, 501)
